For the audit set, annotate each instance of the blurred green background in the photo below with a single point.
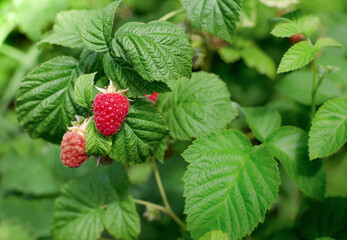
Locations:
(30, 170)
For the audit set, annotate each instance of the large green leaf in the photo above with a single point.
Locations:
(262, 121)
(66, 30)
(328, 132)
(140, 135)
(124, 76)
(122, 220)
(197, 106)
(45, 103)
(96, 143)
(289, 146)
(229, 184)
(297, 57)
(97, 30)
(298, 86)
(218, 17)
(326, 42)
(159, 50)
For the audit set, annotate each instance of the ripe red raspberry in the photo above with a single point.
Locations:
(110, 110)
(152, 97)
(73, 149)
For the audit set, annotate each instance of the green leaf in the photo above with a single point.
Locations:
(10, 231)
(92, 61)
(289, 146)
(197, 106)
(34, 214)
(228, 185)
(83, 91)
(124, 76)
(313, 223)
(326, 42)
(66, 30)
(122, 220)
(215, 235)
(248, 14)
(45, 103)
(298, 86)
(262, 121)
(96, 143)
(158, 51)
(256, 58)
(140, 134)
(279, 4)
(160, 151)
(297, 57)
(97, 30)
(285, 30)
(218, 17)
(325, 238)
(328, 132)
(229, 54)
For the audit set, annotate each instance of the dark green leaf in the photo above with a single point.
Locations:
(83, 91)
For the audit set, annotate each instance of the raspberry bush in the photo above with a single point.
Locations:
(243, 104)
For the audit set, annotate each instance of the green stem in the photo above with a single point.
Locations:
(12, 52)
(163, 196)
(171, 14)
(153, 205)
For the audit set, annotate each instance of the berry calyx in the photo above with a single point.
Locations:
(73, 146)
(153, 97)
(110, 110)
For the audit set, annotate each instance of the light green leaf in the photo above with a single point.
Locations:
(248, 14)
(158, 51)
(256, 58)
(96, 143)
(197, 106)
(289, 146)
(279, 4)
(215, 235)
(262, 121)
(83, 91)
(140, 134)
(285, 30)
(66, 30)
(326, 42)
(140, 173)
(328, 132)
(229, 54)
(298, 86)
(122, 220)
(124, 76)
(10, 231)
(228, 185)
(218, 17)
(97, 30)
(45, 103)
(297, 57)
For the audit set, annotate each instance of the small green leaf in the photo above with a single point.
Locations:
(140, 134)
(285, 30)
(215, 235)
(297, 57)
(328, 132)
(158, 51)
(326, 42)
(289, 146)
(197, 106)
(124, 76)
(66, 30)
(207, 15)
(262, 121)
(229, 54)
(45, 103)
(122, 220)
(96, 143)
(298, 86)
(228, 181)
(84, 89)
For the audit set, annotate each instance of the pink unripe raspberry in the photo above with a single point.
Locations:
(110, 110)
(153, 97)
(73, 149)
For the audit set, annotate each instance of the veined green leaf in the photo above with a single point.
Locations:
(326, 42)
(215, 235)
(197, 106)
(124, 76)
(96, 143)
(297, 57)
(262, 121)
(92, 61)
(84, 89)
(158, 51)
(218, 17)
(289, 146)
(45, 103)
(228, 185)
(328, 132)
(140, 134)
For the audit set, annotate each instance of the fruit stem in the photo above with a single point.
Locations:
(163, 196)
(153, 205)
(171, 14)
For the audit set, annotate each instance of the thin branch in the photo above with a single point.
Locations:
(153, 205)
(171, 14)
